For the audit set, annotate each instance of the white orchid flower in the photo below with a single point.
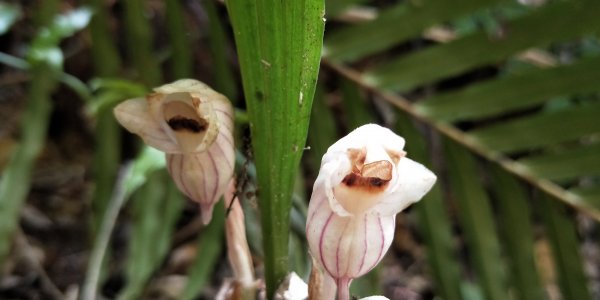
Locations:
(364, 181)
(193, 125)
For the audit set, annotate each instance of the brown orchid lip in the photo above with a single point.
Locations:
(372, 177)
(180, 123)
(183, 116)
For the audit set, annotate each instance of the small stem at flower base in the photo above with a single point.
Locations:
(343, 288)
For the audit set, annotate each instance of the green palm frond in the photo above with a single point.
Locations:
(494, 84)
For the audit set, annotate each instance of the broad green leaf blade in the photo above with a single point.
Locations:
(279, 47)
(562, 233)
(517, 236)
(589, 194)
(395, 25)
(513, 92)
(540, 130)
(477, 220)
(210, 247)
(558, 21)
(434, 223)
(156, 207)
(565, 165)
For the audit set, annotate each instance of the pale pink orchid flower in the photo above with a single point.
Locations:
(193, 125)
(365, 179)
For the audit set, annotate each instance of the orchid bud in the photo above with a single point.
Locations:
(364, 181)
(193, 125)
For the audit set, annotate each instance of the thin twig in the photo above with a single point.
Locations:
(90, 285)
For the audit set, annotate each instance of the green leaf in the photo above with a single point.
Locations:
(279, 46)
(562, 233)
(16, 177)
(111, 91)
(139, 43)
(156, 207)
(557, 21)
(434, 222)
(541, 129)
(476, 217)
(210, 246)
(9, 14)
(147, 162)
(514, 213)
(356, 109)
(513, 92)
(44, 47)
(589, 194)
(224, 80)
(104, 52)
(395, 25)
(322, 131)
(181, 50)
(565, 165)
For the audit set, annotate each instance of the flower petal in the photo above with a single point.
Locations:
(371, 135)
(413, 181)
(203, 176)
(346, 247)
(187, 112)
(135, 116)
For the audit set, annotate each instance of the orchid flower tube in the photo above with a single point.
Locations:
(365, 179)
(193, 125)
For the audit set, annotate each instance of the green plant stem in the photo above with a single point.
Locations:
(224, 81)
(104, 53)
(90, 285)
(181, 50)
(67, 79)
(139, 37)
(16, 178)
(108, 143)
